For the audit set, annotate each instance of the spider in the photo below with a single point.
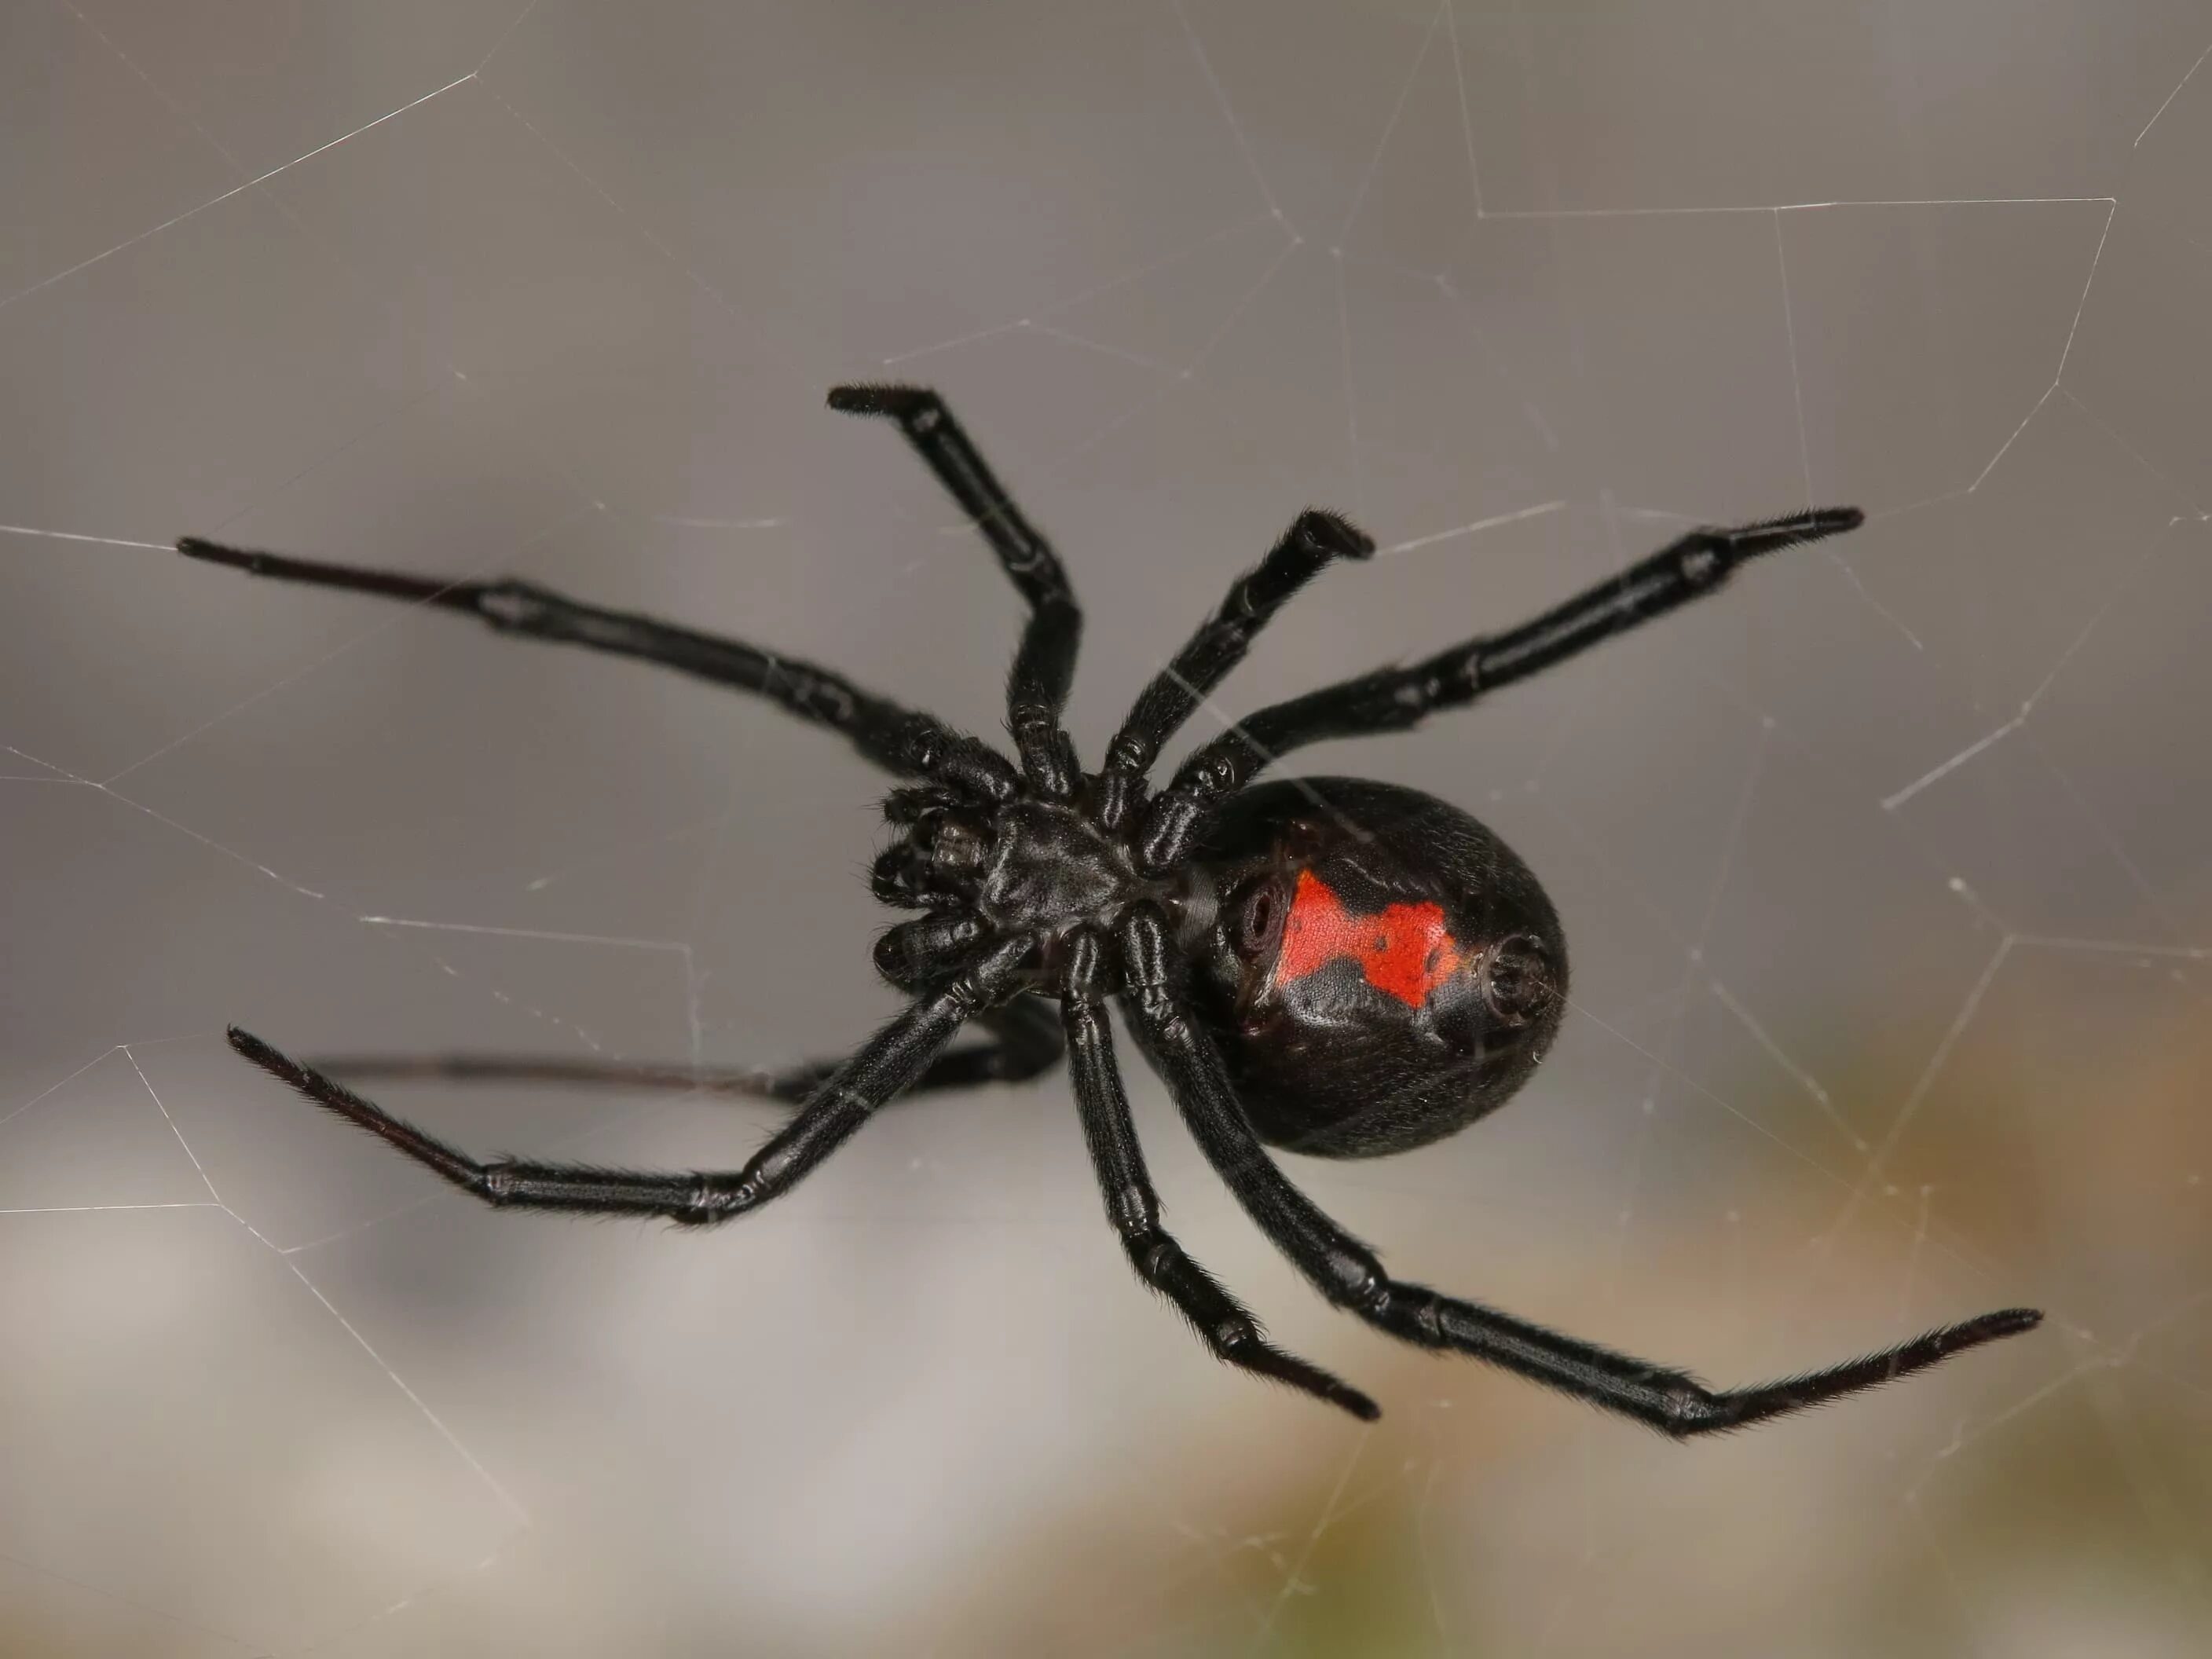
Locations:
(1325, 965)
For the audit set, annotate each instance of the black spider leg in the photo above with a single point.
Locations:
(898, 740)
(1393, 699)
(885, 1064)
(1044, 662)
(1134, 1208)
(1312, 541)
(1025, 1042)
(1348, 1274)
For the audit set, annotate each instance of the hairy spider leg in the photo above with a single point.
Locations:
(1314, 540)
(1393, 699)
(1044, 662)
(883, 1067)
(898, 740)
(1349, 1274)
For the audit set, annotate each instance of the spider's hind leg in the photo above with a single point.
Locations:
(884, 1066)
(1133, 1206)
(1024, 1042)
(1349, 1274)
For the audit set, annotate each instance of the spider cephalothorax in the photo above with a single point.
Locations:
(985, 870)
(1324, 964)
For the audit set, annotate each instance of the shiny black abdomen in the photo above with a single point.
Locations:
(1381, 968)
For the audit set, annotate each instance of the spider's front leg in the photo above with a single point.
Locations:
(1044, 662)
(1397, 698)
(895, 738)
(886, 1064)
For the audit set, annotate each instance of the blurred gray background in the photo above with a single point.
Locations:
(1885, 872)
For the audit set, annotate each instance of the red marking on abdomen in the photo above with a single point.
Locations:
(1405, 950)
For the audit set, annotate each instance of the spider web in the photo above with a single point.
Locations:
(1884, 873)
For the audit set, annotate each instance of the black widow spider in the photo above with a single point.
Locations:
(1328, 965)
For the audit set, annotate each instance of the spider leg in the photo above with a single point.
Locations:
(1349, 1274)
(1134, 1208)
(1393, 699)
(1206, 658)
(895, 738)
(1025, 1042)
(1044, 662)
(885, 1064)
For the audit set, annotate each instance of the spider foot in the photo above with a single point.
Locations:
(193, 547)
(1749, 541)
(1307, 1379)
(318, 573)
(910, 406)
(334, 1097)
(1689, 1409)
(1332, 536)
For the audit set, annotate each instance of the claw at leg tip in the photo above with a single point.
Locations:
(252, 1047)
(863, 399)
